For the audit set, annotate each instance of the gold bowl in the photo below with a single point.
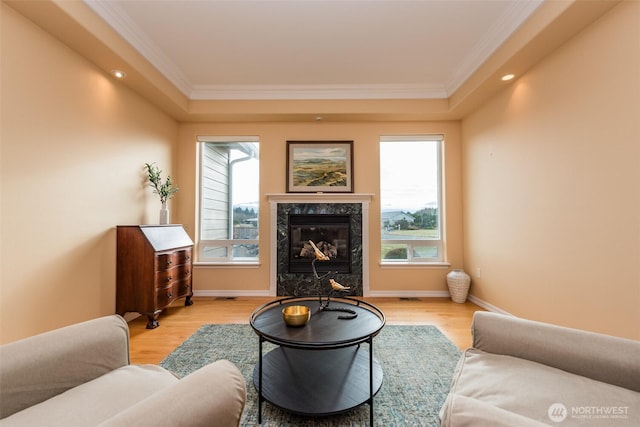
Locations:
(296, 315)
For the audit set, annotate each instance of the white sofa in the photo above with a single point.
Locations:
(530, 374)
(81, 375)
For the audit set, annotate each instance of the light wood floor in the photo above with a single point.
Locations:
(177, 323)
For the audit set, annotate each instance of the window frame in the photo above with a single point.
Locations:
(229, 244)
(412, 244)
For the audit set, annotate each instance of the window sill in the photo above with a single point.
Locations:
(401, 264)
(232, 264)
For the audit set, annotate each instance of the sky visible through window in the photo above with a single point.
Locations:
(245, 190)
(408, 175)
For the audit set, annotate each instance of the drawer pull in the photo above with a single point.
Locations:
(169, 294)
(187, 258)
(186, 272)
(169, 278)
(169, 262)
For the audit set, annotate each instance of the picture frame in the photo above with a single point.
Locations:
(319, 166)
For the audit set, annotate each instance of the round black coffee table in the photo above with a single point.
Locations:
(320, 368)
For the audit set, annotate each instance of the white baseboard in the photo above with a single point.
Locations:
(487, 306)
(229, 294)
(408, 294)
(128, 317)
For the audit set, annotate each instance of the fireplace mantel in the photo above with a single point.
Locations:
(275, 199)
(319, 197)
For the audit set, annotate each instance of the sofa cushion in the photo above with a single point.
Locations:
(97, 400)
(213, 395)
(498, 388)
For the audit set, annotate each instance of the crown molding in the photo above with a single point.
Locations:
(292, 92)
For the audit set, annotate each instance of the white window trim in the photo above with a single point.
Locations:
(200, 244)
(229, 244)
(439, 243)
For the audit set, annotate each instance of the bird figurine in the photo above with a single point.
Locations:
(319, 255)
(337, 286)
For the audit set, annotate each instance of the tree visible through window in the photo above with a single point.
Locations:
(229, 196)
(410, 197)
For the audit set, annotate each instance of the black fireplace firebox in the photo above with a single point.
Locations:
(330, 233)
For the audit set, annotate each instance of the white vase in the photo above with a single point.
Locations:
(164, 214)
(458, 282)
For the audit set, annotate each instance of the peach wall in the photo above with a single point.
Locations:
(366, 137)
(552, 185)
(74, 143)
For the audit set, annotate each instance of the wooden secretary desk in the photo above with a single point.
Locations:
(153, 269)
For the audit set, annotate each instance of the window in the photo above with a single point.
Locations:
(229, 196)
(410, 198)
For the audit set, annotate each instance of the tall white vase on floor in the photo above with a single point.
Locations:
(458, 282)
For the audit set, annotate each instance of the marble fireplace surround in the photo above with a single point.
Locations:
(289, 284)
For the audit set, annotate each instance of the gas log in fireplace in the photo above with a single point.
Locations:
(330, 233)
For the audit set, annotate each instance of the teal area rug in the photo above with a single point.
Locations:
(417, 361)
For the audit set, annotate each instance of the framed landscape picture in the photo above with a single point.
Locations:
(319, 167)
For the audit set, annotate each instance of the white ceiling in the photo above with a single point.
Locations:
(315, 49)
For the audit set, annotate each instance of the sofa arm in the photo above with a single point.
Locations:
(600, 357)
(214, 395)
(35, 369)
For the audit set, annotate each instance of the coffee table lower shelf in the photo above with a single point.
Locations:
(317, 382)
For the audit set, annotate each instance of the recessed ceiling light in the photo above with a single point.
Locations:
(119, 74)
(507, 77)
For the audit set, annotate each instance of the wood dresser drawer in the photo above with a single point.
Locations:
(166, 296)
(175, 274)
(172, 259)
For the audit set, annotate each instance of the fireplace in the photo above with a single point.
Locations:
(319, 217)
(331, 235)
(336, 228)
